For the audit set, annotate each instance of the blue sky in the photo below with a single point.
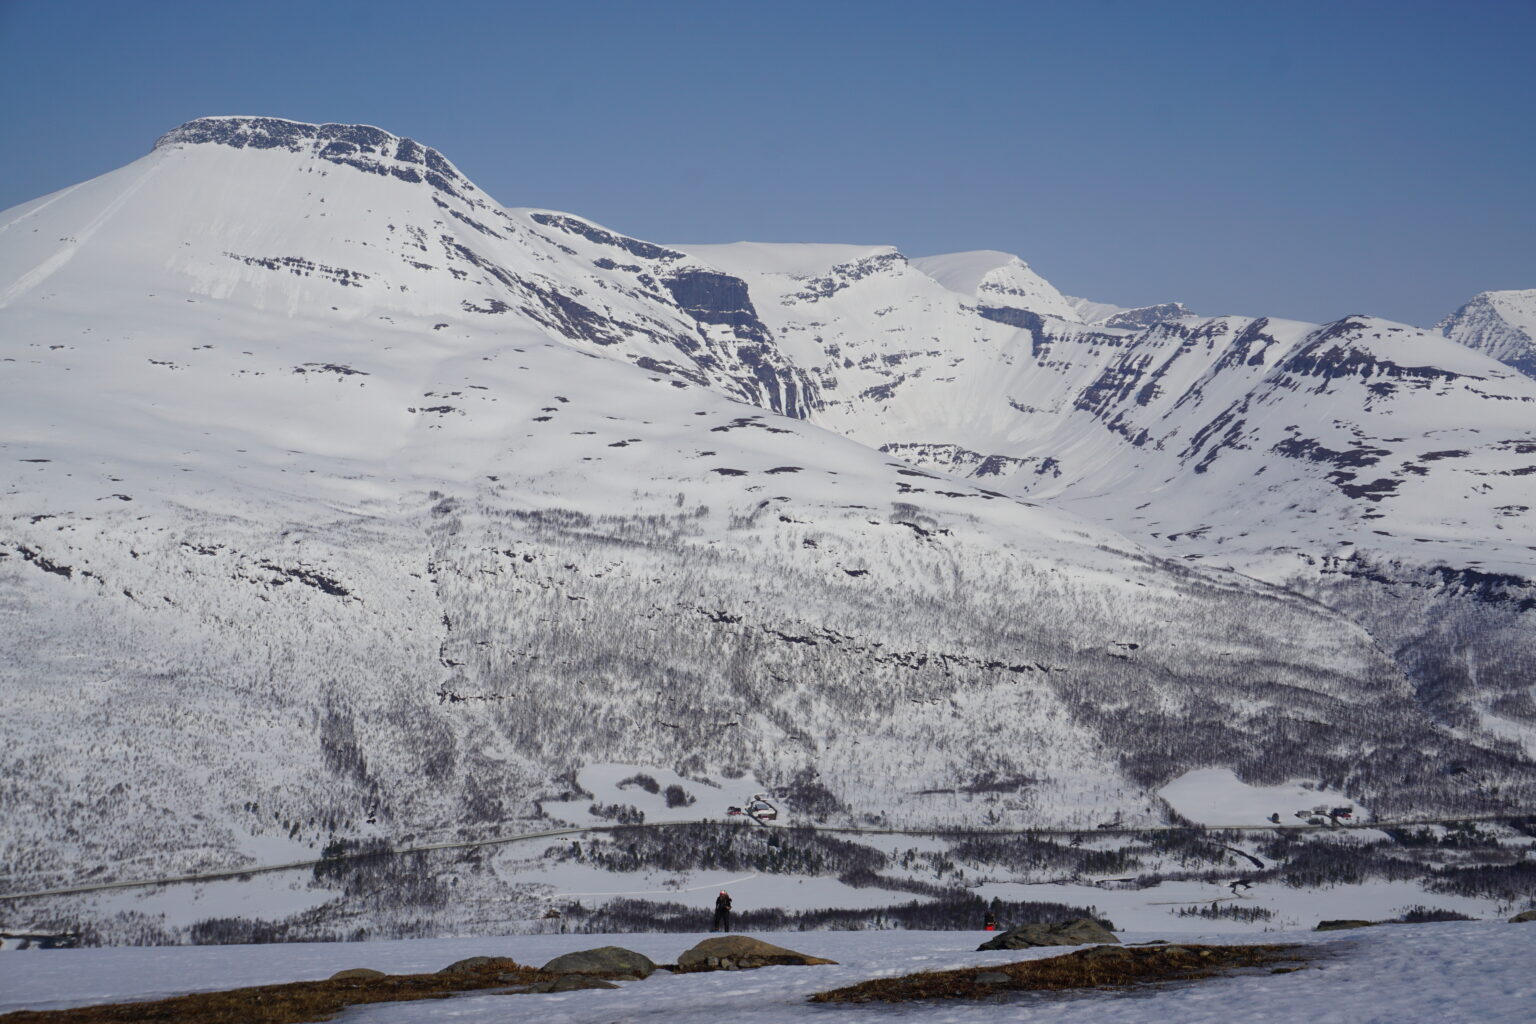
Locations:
(1299, 159)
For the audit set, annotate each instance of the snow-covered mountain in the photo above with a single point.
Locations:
(997, 280)
(1167, 433)
(1104, 314)
(1499, 324)
(343, 501)
(1373, 465)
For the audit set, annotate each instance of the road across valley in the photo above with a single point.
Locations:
(400, 851)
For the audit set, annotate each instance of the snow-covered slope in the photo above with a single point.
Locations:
(1500, 324)
(1369, 464)
(1370, 460)
(343, 501)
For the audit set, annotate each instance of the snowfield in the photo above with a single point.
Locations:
(1456, 973)
(1215, 796)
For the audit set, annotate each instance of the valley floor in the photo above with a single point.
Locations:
(1445, 973)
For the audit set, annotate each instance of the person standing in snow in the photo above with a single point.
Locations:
(722, 921)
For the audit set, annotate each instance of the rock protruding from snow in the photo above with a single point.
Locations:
(996, 279)
(1082, 932)
(605, 961)
(1105, 314)
(359, 146)
(742, 952)
(1499, 324)
(473, 964)
(1148, 316)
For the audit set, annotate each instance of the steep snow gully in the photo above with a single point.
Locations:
(344, 508)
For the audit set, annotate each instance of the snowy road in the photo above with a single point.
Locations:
(1450, 973)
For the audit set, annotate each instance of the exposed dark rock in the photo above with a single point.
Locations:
(1013, 317)
(1080, 932)
(477, 964)
(605, 961)
(1149, 316)
(713, 298)
(845, 274)
(593, 233)
(358, 146)
(742, 952)
(1326, 358)
(1342, 924)
(1097, 968)
(717, 299)
(1489, 587)
(1373, 490)
(1359, 456)
(44, 563)
(321, 582)
(336, 368)
(300, 267)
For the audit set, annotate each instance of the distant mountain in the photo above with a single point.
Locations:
(998, 280)
(1498, 324)
(343, 501)
(1103, 314)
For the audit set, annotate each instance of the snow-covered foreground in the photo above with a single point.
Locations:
(1464, 971)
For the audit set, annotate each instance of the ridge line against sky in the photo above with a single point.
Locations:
(1306, 160)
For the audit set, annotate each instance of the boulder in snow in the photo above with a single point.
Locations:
(476, 964)
(741, 952)
(1081, 932)
(605, 961)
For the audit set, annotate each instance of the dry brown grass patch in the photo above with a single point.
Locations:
(1098, 967)
(294, 1003)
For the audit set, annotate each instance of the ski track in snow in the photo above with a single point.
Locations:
(68, 247)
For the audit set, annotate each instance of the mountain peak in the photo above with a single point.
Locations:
(996, 279)
(361, 146)
(1501, 324)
